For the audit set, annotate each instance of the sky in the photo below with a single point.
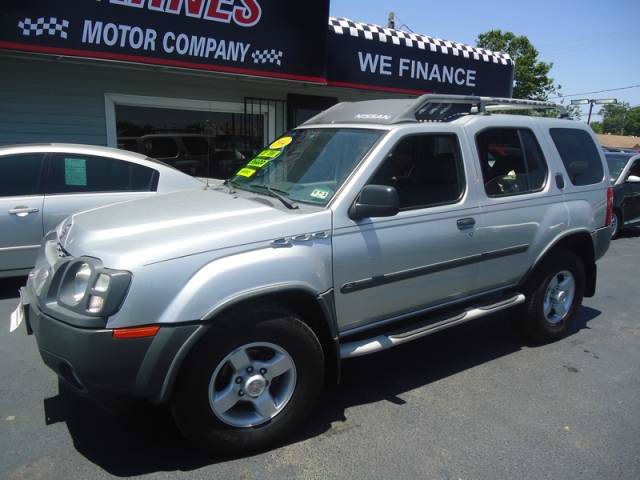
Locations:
(593, 45)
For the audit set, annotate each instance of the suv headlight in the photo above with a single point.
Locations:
(81, 282)
(89, 288)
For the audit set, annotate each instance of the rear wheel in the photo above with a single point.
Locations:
(615, 224)
(554, 293)
(250, 382)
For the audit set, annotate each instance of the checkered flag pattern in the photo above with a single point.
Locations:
(41, 26)
(267, 56)
(344, 26)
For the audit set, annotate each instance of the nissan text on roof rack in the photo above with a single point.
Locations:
(371, 225)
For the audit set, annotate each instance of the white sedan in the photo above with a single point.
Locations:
(41, 184)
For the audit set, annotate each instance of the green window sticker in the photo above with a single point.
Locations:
(319, 193)
(263, 158)
(270, 154)
(75, 171)
(246, 172)
(258, 162)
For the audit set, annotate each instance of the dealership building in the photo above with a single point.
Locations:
(206, 83)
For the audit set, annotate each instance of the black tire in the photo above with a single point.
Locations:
(534, 322)
(261, 323)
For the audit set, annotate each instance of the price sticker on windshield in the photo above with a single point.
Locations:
(258, 162)
(281, 142)
(263, 158)
(270, 154)
(246, 172)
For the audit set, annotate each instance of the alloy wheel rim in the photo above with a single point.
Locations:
(614, 225)
(252, 384)
(559, 297)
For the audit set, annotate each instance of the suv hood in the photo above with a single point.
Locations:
(183, 223)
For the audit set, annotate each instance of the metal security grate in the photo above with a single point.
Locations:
(265, 119)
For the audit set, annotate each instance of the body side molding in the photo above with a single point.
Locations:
(428, 269)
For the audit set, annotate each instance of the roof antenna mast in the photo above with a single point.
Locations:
(391, 21)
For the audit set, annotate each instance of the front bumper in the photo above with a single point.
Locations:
(93, 362)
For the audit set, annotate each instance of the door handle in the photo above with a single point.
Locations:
(23, 211)
(466, 223)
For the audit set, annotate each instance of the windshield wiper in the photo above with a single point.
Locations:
(285, 201)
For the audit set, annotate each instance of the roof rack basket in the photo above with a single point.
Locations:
(478, 105)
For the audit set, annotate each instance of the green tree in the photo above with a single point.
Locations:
(531, 76)
(597, 127)
(620, 119)
(531, 79)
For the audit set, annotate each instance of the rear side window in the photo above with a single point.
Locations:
(579, 155)
(511, 160)
(76, 173)
(426, 170)
(20, 174)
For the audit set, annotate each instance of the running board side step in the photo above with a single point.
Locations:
(381, 342)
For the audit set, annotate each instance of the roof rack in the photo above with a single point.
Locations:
(434, 105)
(426, 108)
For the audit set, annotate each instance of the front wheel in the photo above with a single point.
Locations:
(250, 382)
(554, 293)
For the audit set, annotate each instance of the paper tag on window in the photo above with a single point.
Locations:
(75, 171)
(319, 193)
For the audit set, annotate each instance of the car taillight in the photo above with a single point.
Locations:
(609, 205)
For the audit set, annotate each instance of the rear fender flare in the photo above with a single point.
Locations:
(590, 267)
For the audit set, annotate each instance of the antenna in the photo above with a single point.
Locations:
(391, 20)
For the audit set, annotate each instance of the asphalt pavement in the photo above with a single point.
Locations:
(473, 402)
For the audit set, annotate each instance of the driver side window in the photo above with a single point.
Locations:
(425, 169)
(511, 160)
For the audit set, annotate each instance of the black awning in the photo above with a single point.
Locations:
(369, 56)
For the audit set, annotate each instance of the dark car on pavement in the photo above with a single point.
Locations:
(624, 169)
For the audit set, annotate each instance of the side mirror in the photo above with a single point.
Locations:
(375, 201)
(633, 179)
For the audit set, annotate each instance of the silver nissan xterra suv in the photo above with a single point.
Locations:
(373, 224)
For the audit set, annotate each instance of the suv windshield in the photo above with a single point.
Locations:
(308, 165)
(616, 162)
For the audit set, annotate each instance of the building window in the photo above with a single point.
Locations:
(197, 142)
(511, 160)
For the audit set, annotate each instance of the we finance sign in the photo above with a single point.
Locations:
(268, 38)
(369, 56)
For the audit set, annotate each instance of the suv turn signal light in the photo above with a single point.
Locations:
(136, 332)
